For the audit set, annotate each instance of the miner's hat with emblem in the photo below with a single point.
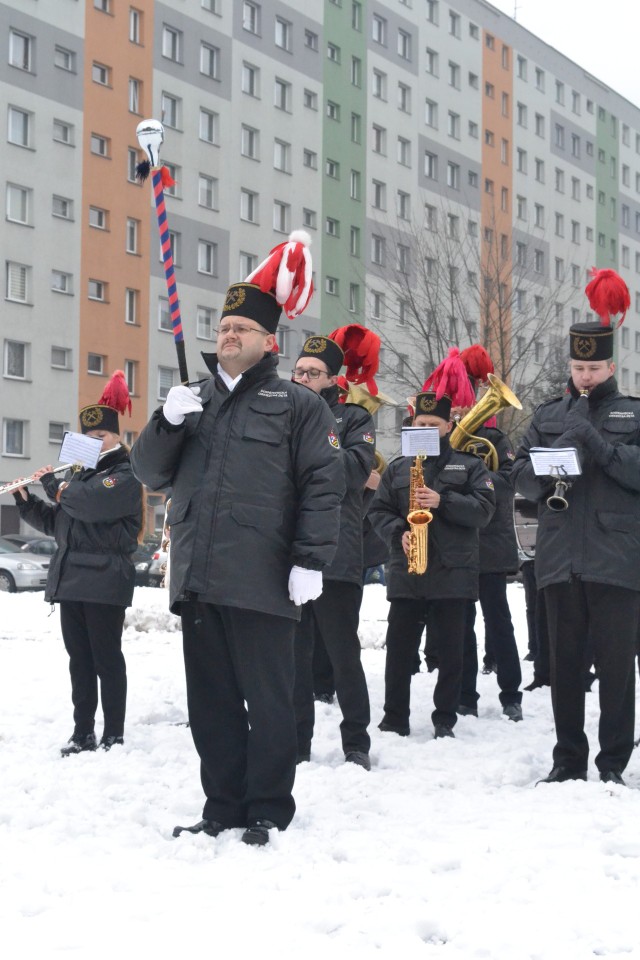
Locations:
(103, 415)
(281, 282)
(326, 350)
(429, 403)
(608, 296)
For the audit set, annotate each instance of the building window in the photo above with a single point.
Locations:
(61, 282)
(354, 241)
(64, 59)
(167, 378)
(281, 216)
(404, 152)
(356, 71)
(100, 73)
(98, 218)
(209, 126)
(309, 218)
(283, 32)
(133, 227)
(251, 17)
(332, 286)
(135, 25)
(208, 191)
(332, 227)
(454, 75)
(248, 206)
(207, 257)
(99, 145)
(14, 438)
(431, 114)
(61, 358)
(21, 50)
(332, 169)
(403, 258)
(379, 139)
(282, 156)
(282, 95)
(432, 11)
(19, 127)
(62, 207)
(98, 290)
(430, 165)
(15, 360)
(63, 132)
(95, 364)
(249, 142)
(377, 249)
(131, 305)
(210, 61)
(453, 125)
(379, 29)
(333, 110)
(18, 203)
(206, 321)
(132, 163)
(453, 175)
(171, 110)
(164, 315)
(354, 297)
(431, 62)
(250, 78)
(310, 100)
(311, 40)
(404, 45)
(172, 43)
(57, 431)
(333, 52)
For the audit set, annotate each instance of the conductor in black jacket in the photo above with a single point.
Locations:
(587, 555)
(96, 518)
(256, 475)
(334, 615)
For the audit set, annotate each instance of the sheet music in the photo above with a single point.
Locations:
(78, 448)
(555, 461)
(417, 440)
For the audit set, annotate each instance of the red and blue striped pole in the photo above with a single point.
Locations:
(150, 135)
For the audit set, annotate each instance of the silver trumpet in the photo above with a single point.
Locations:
(23, 482)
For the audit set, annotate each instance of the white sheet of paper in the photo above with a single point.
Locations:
(555, 461)
(78, 448)
(417, 440)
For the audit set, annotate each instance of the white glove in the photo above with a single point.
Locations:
(181, 401)
(304, 585)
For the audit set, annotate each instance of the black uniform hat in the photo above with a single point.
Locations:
(429, 403)
(103, 415)
(608, 294)
(322, 348)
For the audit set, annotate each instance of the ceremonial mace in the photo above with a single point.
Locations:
(150, 134)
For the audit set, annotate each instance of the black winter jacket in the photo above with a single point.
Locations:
(598, 537)
(96, 526)
(358, 442)
(498, 544)
(467, 504)
(256, 482)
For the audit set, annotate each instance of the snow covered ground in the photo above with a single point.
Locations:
(445, 850)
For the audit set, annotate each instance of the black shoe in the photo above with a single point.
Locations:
(536, 683)
(359, 757)
(612, 776)
(530, 657)
(211, 827)
(78, 743)
(107, 742)
(257, 833)
(402, 731)
(443, 730)
(488, 668)
(562, 774)
(303, 758)
(465, 711)
(513, 711)
(431, 664)
(323, 697)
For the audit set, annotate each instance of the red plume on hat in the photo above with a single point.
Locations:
(286, 273)
(608, 294)
(478, 363)
(116, 393)
(361, 348)
(451, 377)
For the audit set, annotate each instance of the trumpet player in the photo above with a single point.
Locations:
(459, 492)
(587, 554)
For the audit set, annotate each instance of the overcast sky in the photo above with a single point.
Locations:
(600, 36)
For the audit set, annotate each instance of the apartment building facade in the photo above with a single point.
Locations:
(370, 124)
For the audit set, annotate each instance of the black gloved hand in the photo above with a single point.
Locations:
(50, 484)
(578, 412)
(583, 435)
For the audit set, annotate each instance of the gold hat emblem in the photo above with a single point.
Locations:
(91, 416)
(315, 345)
(427, 404)
(584, 347)
(235, 298)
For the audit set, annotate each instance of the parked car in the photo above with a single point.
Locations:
(142, 560)
(33, 543)
(20, 570)
(158, 567)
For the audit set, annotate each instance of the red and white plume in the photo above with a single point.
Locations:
(361, 348)
(286, 273)
(608, 294)
(116, 393)
(451, 377)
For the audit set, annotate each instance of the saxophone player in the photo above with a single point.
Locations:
(459, 492)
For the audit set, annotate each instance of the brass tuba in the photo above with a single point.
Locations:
(497, 397)
(418, 520)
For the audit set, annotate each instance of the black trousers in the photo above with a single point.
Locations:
(240, 671)
(584, 616)
(445, 622)
(334, 616)
(323, 681)
(499, 627)
(92, 634)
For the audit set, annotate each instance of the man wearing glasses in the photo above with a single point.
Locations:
(333, 616)
(256, 476)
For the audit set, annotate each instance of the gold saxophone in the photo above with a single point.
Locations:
(418, 519)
